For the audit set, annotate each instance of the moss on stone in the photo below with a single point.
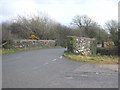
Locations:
(71, 43)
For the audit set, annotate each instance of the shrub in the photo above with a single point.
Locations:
(8, 45)
(108, 50)
(34, 37)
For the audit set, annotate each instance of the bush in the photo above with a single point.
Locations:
(34, 37)
(8, 45)
(108, 50)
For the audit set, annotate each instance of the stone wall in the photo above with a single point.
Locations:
(82, 45)
(33, 43)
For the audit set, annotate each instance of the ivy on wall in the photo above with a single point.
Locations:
(71, 43)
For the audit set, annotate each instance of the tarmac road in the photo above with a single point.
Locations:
(47, 68)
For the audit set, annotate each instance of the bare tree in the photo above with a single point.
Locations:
(86, 25)
(112, 27)
(25, 26)
(82, 21)
(6, 33)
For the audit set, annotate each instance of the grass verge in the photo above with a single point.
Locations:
(13, 50)
(92, 59)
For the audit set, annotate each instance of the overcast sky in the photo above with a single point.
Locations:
(61, 10)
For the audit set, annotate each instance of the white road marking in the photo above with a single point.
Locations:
(60, 57)
(84, 75)
(45, 63)
(69, 78)
(54, 59)
(96, 73)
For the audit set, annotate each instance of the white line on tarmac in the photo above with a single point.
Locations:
(84, 75)
(45, 63)
(60, 57)
(54, 59)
